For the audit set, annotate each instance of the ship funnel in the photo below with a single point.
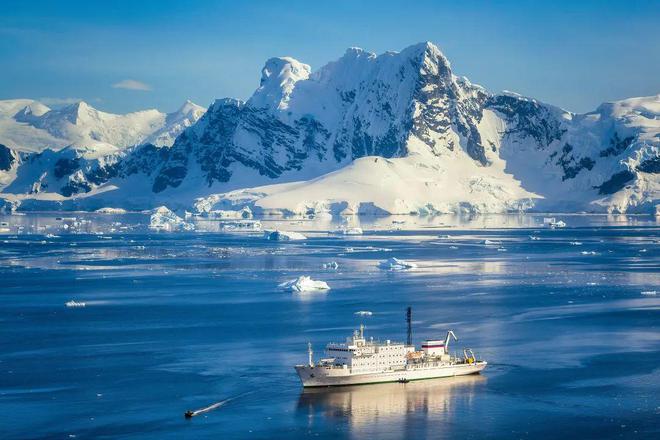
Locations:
(409, 322)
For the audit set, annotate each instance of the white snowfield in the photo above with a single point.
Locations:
(395, 264)
(377, 186)
(164, 219)
(304, 284)
(278, 235)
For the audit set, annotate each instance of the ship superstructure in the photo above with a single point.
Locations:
(359, 360)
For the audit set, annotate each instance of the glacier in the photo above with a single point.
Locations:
(396, 133)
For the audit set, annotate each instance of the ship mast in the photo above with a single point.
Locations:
(310, 352)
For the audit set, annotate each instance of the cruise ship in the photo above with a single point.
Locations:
(360, 361)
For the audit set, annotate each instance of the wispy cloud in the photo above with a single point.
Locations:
(131, 84)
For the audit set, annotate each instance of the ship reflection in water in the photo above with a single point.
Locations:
(390, 409)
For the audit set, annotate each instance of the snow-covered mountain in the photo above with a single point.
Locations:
(27, 125)
(394, 133)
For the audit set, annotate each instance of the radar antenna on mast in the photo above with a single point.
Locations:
(409, 322)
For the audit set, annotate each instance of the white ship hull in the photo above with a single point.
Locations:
(319, 376)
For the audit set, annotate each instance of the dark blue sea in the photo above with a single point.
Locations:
(569, 321)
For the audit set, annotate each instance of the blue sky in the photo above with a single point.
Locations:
(129, 55)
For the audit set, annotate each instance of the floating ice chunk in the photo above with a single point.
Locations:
(245, 213)
(575, 243)
(331, 265)
(110, 211)
(241, 225)
(164, 219)
(589, 253)
(283, 235)
(551, 222)
(534, 237)
(501, 249)
(304, 284)
(649, 292)
(349, 231)
(453, 247)
(75, 304)
(363, 313)
(487, 242)
(396, 264)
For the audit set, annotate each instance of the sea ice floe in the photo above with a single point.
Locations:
(489, 242)
(649, 292)
(534, 237)
(575, 243)
(363, 313)
(75, 304)
(349, 231)
(278, 235)
(304, 284)
(589, 253)
(241, 225)
(331, 265)
(394, 263)
(110, 210)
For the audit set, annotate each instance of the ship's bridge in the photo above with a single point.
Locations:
(362, 355)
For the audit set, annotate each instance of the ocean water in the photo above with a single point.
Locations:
(175, 321)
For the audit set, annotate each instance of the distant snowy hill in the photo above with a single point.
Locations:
(27, 125)
(395, 133)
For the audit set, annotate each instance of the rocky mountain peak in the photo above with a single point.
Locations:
(278, 78)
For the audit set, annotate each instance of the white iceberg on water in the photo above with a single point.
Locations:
(363, 313)
(304, 284)
(396, 264)
(349, 231)
(331, 265)
(164, 219)
(283, 235)
(75, 304)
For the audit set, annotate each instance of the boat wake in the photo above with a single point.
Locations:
(190, 414)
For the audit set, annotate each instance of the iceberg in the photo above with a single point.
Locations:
(396, 264)
(75, 304)
(277, 235)
(164, 219)
(244, 213)
(551, 222)
(304, 284)
(110, 211)
(240, 225)
(363, 313)
(349, 231)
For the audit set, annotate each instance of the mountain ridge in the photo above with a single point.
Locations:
(408, 108)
